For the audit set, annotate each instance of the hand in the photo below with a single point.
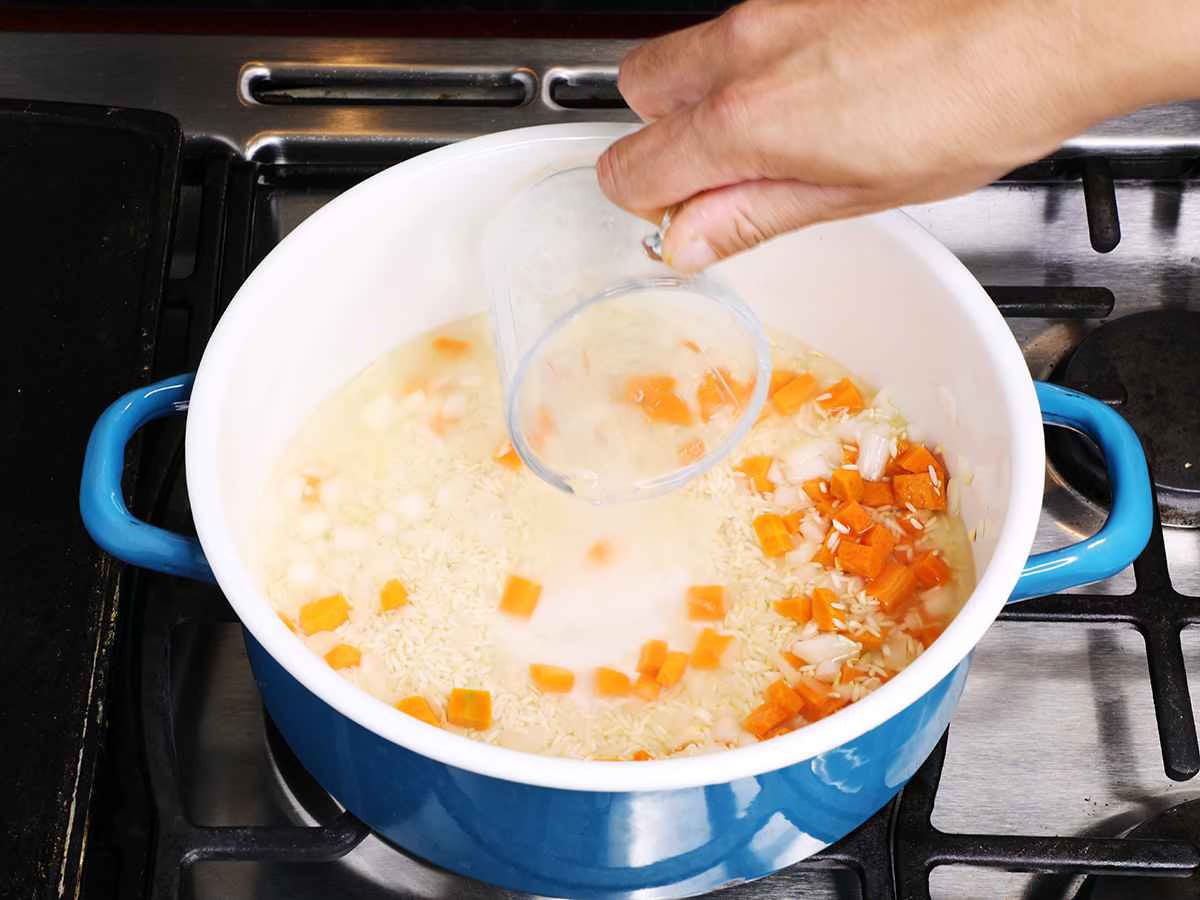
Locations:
(783, 113)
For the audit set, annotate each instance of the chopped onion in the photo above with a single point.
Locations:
(786, 495)
(873, 454)
(822, 647)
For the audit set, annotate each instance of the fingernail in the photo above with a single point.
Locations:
(694, 255)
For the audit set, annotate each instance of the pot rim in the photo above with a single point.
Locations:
(988, 598)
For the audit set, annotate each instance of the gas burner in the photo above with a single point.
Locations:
(1179, 823)
(1147, 366)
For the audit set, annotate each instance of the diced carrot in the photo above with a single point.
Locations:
(655, 396)
(792, 659)
(843, 396)
(755, 468)
(653, 655)
(343, 656)
(393, 595)
(642, 756)
(288, 621)
(868, 640)
(893, 587)
(765, 718)
(709, 648)
(772, 534)
(828, 708)
(823, 612)
(849, 454)
(853, 516)
(815, 693)
(691, 345)
(861, 559)
(777, 731)
(917, 459)
(311, 492)
(611, 683)
(930, 570)
(718, 389)
(824, 556)
(798, 609)
(927, 633)
(779, 378)
(672, 669)
(818, 491)
(600, 553)
(781, 694)
(469, 709)
(506, 455)
(846, 484)
(418, 707)
(792, 522)
(647, 687)
(876, 494)
(690, 451)
(793, 395)
(851, 672)
(448, 346)
(520, 596)
(919, 490)
(706, 602)
(881, 538)
(551, 679)
(912, 524)
(325, 614)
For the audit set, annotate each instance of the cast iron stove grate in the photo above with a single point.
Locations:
(153, 842)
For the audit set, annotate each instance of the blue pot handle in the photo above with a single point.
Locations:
(102, 501)
(1127, 530)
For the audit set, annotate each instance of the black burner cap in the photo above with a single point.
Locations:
(1147, 366)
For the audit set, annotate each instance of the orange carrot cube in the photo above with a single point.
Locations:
(653, 655)
(842, 397)
(288, 621)
(893, 587)
(393, 595)
(520, 596)
(709, 648)
(818, 491)
(611, 683)
(794, 394)
(798, 609)
(815, 693)
(672, 668)
(919, 490)
(765, 718)
(927, 633)
(868, 640)
(823, 611)
(881, 538)
(853, 516)
(418, 707)
(781, 694)
(755, 468)
(917, 459)
(551, 679)
(824, 556)
(792, 659)
(706, 602)
(851, 672)
(642, 756)
(600, 553)
(452, 347)
(647, 687)
(718, 388)
(772, 534)
(325, 614)
(343, 656)
(470, 709)
(506, 455)
(930, 570)
(792, 522)
(690, 451)
(849, 454)
(655, 396)
(876, 494)
(846, 484)
(779, 379)
(860, 559)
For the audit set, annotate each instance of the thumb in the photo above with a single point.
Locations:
(719, 223)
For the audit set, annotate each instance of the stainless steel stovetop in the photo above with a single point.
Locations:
(1056, 733)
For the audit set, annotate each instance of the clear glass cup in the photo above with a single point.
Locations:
(622, 380)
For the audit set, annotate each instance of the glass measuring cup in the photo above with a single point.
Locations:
(622, 380)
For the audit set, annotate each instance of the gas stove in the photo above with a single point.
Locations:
(1069, 769)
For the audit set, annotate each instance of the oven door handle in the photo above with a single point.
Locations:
(102, 499)
(1127, 529)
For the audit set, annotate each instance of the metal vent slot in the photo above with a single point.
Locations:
(594, 89)
(313, 85)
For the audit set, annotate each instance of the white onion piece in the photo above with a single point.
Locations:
(827, 671)
(812, 459)
(823, 647)
(873, 454)
(786, 495)
(812, 529)
(940, 602)
(775, 473)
